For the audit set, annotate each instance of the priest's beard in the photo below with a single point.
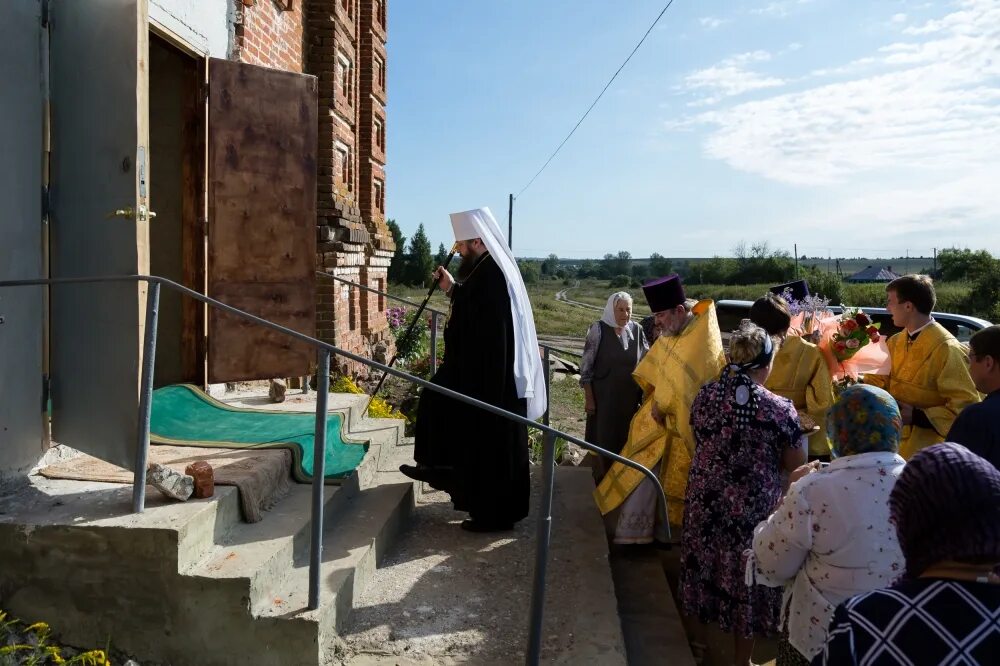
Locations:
(465, 268)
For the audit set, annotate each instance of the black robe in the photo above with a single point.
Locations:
(487, 454)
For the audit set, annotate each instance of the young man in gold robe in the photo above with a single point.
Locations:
(799, 372)
(687, 355)
(929, 375)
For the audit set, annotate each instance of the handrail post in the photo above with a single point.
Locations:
(318, 474)
(145, 397)
(547, 361)
(543, 539)
(434, 343)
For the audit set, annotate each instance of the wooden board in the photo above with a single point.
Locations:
(99, 82)
(262, 143)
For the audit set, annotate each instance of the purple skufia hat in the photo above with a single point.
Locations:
(664, 293)
(799, 289)
(946, 506)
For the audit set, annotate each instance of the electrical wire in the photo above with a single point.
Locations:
(591, 107)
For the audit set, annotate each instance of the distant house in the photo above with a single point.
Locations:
(873, 274)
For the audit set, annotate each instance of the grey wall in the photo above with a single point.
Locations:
(207, 25)
(20, 238)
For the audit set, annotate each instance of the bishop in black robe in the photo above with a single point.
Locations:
(478, 458)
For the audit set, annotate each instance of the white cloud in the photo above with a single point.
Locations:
(934, 108)
(908, 145)
(779, 8)
(730, 78)
(898, 18)
(712, 22)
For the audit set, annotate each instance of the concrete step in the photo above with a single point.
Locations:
(253, 557)
(444, 595)
(352, 548)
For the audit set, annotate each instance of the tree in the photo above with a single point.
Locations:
(616, 264)
(984, 296)
(441, 256)
(420, 262)
(550, 266)
(529, 271)
(397, 268)
(964, 264)
(659, 265)
(640, 271)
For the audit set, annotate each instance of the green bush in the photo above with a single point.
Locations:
(620, 281)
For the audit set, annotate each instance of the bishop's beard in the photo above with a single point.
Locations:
(465, 268)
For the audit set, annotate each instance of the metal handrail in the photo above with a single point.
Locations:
(533, 653)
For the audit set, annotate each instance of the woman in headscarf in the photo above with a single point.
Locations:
(830, 538)
(744, 437)
(946, 609)
(614, 346)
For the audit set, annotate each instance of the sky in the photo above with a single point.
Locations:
(845, 127)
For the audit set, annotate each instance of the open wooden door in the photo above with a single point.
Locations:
(98, 83)
(262, 142)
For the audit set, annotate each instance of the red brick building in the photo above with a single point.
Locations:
(342, 43)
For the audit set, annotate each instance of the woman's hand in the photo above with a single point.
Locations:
(803, 470)
(589, 404)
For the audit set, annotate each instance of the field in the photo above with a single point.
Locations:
(555, 318)
(564, 324)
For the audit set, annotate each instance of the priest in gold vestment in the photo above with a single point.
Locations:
(685, 357)
(929, 375)
(799, 372)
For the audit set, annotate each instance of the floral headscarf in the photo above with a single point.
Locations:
(864, 419)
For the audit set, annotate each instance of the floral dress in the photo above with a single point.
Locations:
(733, 485)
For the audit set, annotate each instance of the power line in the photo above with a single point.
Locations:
(591, 107)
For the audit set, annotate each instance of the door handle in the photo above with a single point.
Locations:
(127, 213)
(130, 213)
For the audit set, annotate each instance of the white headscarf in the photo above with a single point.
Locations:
(529, 374)
(609, 316)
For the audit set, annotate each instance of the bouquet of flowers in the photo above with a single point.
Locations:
(807, 315)
(854, 331)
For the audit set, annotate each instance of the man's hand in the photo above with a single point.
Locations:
(906, 411)
(589, 405)
(658, 416)
(444, 278)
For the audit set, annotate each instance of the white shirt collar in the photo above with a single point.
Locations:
(912, 333)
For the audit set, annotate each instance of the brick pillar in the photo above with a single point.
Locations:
(372, 129)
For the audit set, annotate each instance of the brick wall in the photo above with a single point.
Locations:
(268, 35)
(325, 38)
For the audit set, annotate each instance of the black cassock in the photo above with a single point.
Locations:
(488, 454)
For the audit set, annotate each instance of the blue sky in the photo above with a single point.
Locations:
(851, 128)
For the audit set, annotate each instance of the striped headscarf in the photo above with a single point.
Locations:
(864, 419)
(946, 506)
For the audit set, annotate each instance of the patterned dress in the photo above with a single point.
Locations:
(734, 484)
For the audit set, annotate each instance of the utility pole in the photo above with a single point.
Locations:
(510, 222)
(935, 260)
(796, 246)
(907, 265)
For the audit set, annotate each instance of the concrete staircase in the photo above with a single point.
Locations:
(190, 583)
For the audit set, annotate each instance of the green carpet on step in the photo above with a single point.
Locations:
(183, 415)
